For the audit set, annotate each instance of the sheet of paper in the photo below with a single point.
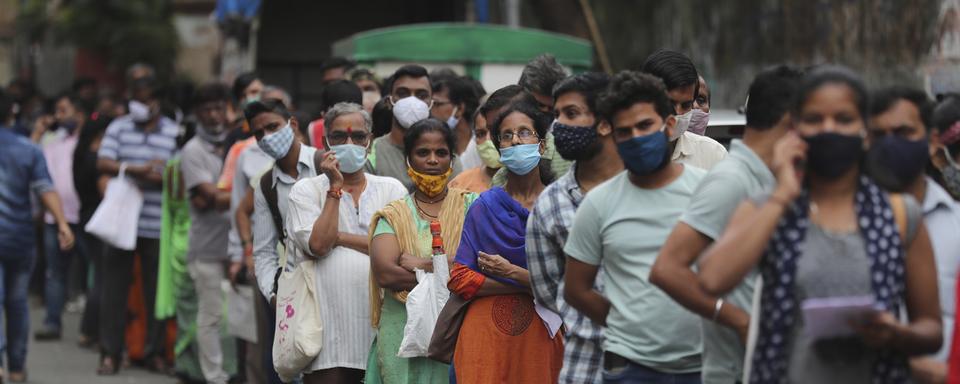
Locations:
(831, 317)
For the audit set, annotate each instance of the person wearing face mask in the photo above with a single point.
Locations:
(279, 137)
(621, 225)
(58, 146)
(900, 125)
(700, 117)
(329, 221)
(682, 82)
(945, 145)
(400, 243)
(410, 99)
(582, 137)
(142, 141)
(827, 231)
(479, 179)
(745, 172)
(455, 101)
(505, 335)
(201, 162)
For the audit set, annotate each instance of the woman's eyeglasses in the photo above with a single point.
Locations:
(524, 135)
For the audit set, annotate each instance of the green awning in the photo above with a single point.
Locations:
(463, 43)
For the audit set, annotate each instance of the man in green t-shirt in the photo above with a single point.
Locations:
(745, 172)
(620, 226)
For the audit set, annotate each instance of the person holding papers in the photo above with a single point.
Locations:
(828, 231)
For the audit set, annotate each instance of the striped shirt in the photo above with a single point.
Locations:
(124, 142)
(547, 232)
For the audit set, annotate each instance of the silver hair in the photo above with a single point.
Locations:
(541, 74)
(345, 108)
(284, 95)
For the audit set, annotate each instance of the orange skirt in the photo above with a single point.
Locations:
(502, 340)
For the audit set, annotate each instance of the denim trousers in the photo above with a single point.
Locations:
(15, 271)
(618, 370)
(57, 272)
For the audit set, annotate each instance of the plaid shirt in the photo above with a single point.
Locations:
(547, 231)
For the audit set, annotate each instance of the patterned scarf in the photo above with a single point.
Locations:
(778, 309)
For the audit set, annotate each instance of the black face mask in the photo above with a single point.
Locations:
(830, 155)
(895, 162)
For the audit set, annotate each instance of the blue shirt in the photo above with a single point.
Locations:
(124, 142)
(22, 170)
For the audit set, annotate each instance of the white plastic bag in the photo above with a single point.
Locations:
(115, 220)
(299, 332)
(424, 304)
(240, 311)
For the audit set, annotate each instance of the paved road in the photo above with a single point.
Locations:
(65, 362)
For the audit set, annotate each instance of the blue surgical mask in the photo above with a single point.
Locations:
(520, 159)
(277, 144)
(645, 154)
(352, 157)
(453, 120)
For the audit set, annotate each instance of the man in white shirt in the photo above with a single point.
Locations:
(900, 124)
(682, 81)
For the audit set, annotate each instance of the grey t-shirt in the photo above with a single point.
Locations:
(201, 162)
(731, 181)
(387, 159)
(840, 360)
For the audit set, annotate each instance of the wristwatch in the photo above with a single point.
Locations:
(334, 193)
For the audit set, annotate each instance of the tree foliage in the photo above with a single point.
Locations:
(124, 31)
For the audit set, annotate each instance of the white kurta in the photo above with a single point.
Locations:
(343, 275)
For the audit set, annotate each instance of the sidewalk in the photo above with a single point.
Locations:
(64, 362)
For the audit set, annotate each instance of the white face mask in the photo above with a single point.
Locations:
(453, 120)
(683, 122)
(139, 112)
(409, 110)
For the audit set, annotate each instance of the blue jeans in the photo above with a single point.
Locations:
(58, 268)
(617, 370)
(15, 271)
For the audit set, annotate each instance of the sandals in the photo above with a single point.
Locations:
(108, 366)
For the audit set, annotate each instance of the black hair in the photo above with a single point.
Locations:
(460, 91)
(6, 107)
(882, 100)
(241, 83)
(771, 96)
(428, 125)
(74, 100)
(628, 88)
(340, 91)
(540, 125)
(832, 74)
(674, 68)
(588, 84)
(257, 108)
(945, 115)
(409, 70)
(541, 74)
(382, 116)
(442, 74)
(210, 92)
(500, 98)
(91, 130)
(336, 62)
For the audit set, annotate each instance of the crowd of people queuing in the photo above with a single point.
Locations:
(594, 232)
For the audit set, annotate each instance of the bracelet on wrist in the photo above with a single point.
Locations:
(716, 309)
(334, 193)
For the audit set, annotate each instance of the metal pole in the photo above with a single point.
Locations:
(512, 13)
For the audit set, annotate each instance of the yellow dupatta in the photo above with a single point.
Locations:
(398, 214)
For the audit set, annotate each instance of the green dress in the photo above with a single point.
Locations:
(175, 293)
(383, 365)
